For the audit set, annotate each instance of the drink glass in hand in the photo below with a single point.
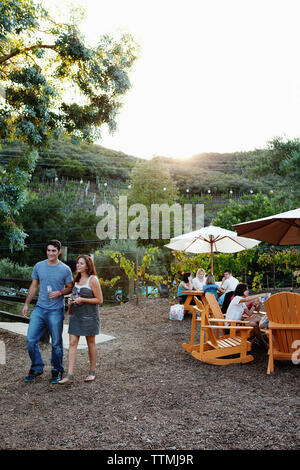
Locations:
(72, 298)
(49, 290)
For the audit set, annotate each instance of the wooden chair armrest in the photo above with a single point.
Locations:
(226, 320)
(230, 327)
(283, 326)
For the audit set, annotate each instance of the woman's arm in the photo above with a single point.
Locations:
(248, 312)
(187, 285)
(250, 298)
(96, 288)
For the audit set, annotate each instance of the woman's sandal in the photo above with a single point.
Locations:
(91, 377)
(68, 380)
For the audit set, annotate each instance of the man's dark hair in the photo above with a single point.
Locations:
(228, 271)
(55, 243)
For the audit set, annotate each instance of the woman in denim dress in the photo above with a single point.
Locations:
(84, 315)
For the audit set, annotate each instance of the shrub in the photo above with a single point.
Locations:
(10, 269)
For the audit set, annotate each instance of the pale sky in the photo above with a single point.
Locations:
(213, 76)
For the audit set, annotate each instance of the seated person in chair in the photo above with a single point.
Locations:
(229, 283)
(211, 286)
(185, 284)
(199, 280)
(238, 308)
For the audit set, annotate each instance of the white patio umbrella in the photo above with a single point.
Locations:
(211, 239)
(279, 229)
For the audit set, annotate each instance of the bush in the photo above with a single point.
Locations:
(10, 269)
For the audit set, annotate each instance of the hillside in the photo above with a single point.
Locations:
(71, 180)
(99, 174)
(204, 173)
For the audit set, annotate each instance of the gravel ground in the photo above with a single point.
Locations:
(148, 394)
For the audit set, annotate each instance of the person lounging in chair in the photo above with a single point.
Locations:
(238, 308)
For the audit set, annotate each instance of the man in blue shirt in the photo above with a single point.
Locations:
(54, 280)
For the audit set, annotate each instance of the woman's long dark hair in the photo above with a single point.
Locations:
(90, 267)
(185, 277)
(240, 289)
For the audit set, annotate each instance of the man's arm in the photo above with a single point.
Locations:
(223, 286)
(65, 291)
(31, 293)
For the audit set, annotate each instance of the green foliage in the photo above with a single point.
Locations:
(286, 261)
(255, 206)
(53, 216)
(248, 266)
(13, 181)
(35, 106)
(278, 167)
(151, 183)
(9, 269)
(281, 158)
(118, 258)
(186, 262)
(148, 180)
(34, 77)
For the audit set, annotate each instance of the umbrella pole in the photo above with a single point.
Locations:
(211, 256)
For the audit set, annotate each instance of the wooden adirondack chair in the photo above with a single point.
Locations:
(217, 348)
(283, 311)
(214, 308)
(189, 347)
(216, 312)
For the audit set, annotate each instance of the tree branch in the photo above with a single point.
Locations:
(22, 51)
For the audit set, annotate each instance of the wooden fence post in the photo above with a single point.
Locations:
(137, 277)
(131, 289)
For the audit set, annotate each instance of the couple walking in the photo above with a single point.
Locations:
(54, 280)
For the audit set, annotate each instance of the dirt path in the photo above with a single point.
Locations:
(149, 394)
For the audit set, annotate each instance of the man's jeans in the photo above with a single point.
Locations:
(40, 319)
(221, 299)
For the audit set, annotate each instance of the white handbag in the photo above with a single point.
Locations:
(176, 312)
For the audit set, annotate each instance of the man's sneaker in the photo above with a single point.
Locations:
(56, 376)
(32, 374)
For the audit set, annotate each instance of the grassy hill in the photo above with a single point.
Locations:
(99, 174)
(214, 172)
(72, 179)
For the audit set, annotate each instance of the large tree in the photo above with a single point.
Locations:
(52, 83)
(279, 166)
(152, 186)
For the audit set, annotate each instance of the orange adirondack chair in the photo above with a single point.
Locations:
(214, 309)
(283, 311)
(215, 347)
(189, 347)
(201, 304)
